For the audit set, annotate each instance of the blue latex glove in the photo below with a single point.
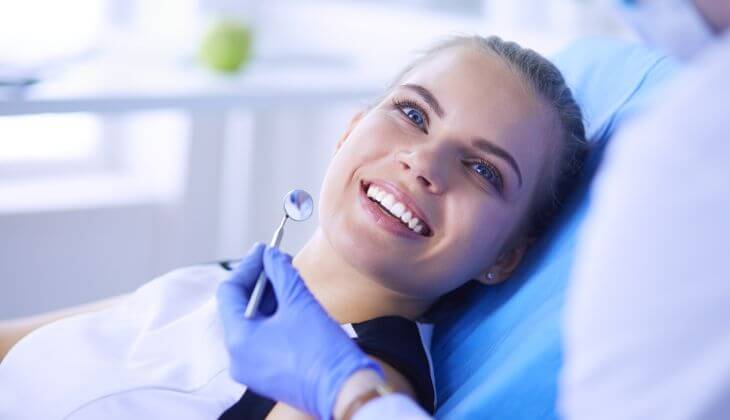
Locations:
(293, 351)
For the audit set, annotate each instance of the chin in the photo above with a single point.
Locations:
(362, 251)
(373, 259)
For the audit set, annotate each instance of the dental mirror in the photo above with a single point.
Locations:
(298, 205)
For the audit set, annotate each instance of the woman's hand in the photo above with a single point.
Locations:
(295, 353)
(10, 334)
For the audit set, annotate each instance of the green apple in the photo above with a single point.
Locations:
(226, 46)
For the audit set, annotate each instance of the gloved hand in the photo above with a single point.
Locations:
(292, 351)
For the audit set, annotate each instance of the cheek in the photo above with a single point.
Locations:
(475, 247)
(377, 133)
(368, 144)
(372, 141)
(479, 234)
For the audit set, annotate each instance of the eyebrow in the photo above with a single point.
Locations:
(428, 97)
(478, 142)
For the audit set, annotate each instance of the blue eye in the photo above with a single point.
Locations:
(414, 115)
(488, 172)
(413, 112)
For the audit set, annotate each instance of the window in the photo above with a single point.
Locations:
(36, 32)
(44, 138)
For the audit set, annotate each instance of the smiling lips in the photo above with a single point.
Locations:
(407, 215)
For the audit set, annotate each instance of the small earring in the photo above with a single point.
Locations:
(490, 275)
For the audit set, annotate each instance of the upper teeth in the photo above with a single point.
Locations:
(396, 208)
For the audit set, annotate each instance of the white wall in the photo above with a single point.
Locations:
(53, 259)
(231, 198)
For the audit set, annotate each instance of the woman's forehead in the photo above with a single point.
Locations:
(468, 80)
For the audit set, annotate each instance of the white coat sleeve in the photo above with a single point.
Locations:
(647, 332)
(394, 406)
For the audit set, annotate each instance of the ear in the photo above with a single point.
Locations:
(506, 264)
(353, 122)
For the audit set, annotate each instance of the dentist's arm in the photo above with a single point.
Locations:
(297, 354)
(359, 399)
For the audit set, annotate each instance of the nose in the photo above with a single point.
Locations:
(426, 166)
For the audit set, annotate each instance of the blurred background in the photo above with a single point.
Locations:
(123, 154)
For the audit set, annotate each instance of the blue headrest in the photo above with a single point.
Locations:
(498, 354)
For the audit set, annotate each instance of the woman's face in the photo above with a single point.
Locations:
(461, 143)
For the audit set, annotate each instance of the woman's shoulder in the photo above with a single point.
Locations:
(164, 336)
(190, 282)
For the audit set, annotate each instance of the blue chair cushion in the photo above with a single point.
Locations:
(497, 354)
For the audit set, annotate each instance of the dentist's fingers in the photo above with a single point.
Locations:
(232, 300)
(233, 294)
(249, 268)
(281, 273)
(268, 303)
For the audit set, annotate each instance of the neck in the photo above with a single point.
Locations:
(347, 294)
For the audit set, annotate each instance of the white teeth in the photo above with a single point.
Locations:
(395, 208)
(371, 191)
(406, 217)
(398, 209)
(413, 222)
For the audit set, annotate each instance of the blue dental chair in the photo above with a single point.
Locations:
(498, 355)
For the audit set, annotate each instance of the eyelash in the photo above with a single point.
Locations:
(496, 179)
(402, 103)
